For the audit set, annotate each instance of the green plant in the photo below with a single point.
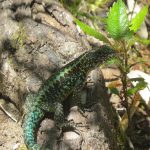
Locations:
(123, 36)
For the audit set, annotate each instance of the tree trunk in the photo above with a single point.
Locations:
(37, 38)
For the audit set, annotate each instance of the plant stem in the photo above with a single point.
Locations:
(124, 75)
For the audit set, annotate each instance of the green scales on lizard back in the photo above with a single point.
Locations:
(57, 88)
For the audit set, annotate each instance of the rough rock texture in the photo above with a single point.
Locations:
(37, 37)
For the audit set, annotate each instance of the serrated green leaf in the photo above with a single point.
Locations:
(90, 31)
(140, 86)
(117, 21)
(138, 19)
(142, 41)
(114, 90)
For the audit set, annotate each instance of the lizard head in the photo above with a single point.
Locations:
(101, 55)
(104, 53)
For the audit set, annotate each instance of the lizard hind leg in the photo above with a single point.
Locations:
(30, 127)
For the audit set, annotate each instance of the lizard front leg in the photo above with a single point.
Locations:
(30, 127)
(58, 114)
(61, 122)
(79, 98)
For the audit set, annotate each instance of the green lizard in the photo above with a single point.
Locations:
(57, 88)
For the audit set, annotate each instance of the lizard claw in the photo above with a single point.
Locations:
(75, 125)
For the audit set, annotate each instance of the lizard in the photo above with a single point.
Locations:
(69, 79)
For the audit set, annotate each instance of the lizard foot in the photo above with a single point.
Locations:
(82, 112)
(36, 147)
(70, 124)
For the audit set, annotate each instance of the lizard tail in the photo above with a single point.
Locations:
(30, 127)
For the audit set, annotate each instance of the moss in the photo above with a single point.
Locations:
(10, 60)
(16, 41)
(19, 37)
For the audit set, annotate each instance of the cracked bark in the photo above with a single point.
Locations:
(37, 38)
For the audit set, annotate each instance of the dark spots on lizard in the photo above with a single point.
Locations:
(61, 78)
